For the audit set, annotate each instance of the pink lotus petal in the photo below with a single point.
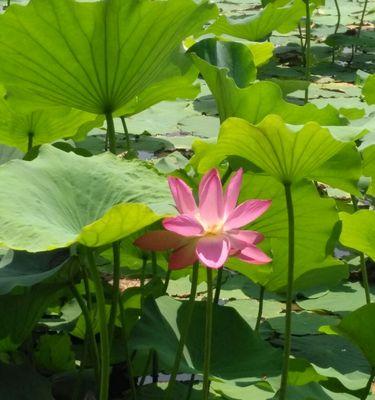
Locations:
(184, 256)
(253, 255)
(183, 196)
(211, 199)
(213, 251)
(246, 213)
(160, 241)
(184, 225)
(233, 191)
(239, 239)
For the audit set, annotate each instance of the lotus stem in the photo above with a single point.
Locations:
(362, 19)
(208, 337)
(260, 308)
(190, 389)
(155, 367)
(367, 389)
(365, 282)
(89, 328)
(111, 133)
(184, 332)
(308, 49)
(103, 328)
(115, 289)
(219, 280)
(30, 139)
(338, 16)
(126, 132)
(289, 300)
(167, 279)
(145, 371)
(126, 348)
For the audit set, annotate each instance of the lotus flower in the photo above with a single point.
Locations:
(209, 232)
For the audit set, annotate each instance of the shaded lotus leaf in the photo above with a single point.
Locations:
(223, 53)
(346, 39)
(368, 89)
(60, 198)
(22, 269)
(280, 15)
(256, 101)
(34, 386)
(43, 126)
(368, 155)
(313, 231)
(82, 54)
(237, 352)
(358, 231)
(285, 154)
(340, 300)
(359, 328)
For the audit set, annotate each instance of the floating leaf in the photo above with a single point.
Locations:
(280, 15)
(358, 231)
(82, 55)
(256, 101)
(60, 198)
(359, 327)
(43, 126)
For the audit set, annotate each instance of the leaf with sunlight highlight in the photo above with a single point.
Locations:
(60, 198)
(100, 56)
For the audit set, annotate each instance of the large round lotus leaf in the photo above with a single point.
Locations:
(61, 198)
(101, 56)
(43, 126)
(313, 231)
(237, 352)
(283, 153)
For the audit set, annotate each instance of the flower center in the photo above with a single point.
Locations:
(214, 229)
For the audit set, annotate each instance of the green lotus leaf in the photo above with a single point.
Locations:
(223, 53)
(259, 99)
(359, 327)
(368, 89)
(368, 155)
(358, 231)
(22, 269)
(43, 126)
(280, 15)
(83, 55)
(245, 355)
(280, 152)
(60, 198)
(313, 231)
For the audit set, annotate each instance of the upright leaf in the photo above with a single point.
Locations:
(257, 100)
(102, 56)
(358, 231)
